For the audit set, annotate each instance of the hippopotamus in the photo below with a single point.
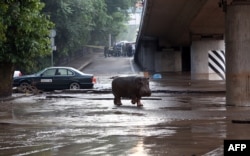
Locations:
(133, 87)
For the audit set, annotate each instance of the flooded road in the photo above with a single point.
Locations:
(179, 119)
(77, 124)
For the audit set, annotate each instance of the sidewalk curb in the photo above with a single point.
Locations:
(85, 65)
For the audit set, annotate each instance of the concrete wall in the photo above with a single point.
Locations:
(168, 61)
(199, 57)
(152, 60)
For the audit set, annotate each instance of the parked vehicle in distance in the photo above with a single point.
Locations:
(17, 73)
(56, 78)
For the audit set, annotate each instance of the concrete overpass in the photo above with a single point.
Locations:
(203, 37)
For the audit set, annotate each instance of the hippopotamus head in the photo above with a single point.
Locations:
(142, 84)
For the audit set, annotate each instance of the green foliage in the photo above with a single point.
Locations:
(23, 29)
(117, 5)
(73, 21)
(82, 22)
(24, 37)
(118, 11)
(23, 32)
(3, 9)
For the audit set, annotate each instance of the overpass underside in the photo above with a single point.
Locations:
(203, 37)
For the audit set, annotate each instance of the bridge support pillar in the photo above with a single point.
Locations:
(199, 57)
(237, 54)
(146, 54)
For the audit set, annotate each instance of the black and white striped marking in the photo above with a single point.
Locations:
(216, 63)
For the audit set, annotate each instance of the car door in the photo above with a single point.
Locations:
(62, 78)
(45, 79)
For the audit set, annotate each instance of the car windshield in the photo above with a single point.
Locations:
(40, 72)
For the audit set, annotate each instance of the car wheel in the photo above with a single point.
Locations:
(74, 85)
(24, 86)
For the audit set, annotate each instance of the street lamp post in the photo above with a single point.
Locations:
(53, 47)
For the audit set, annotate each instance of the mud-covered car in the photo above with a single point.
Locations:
(56, 78)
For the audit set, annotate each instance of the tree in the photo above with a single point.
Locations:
(118, 10)
(82, 22)
(78, 23)
(24, 35)
(101, 25)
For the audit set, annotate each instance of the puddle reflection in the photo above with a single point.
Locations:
(71, 126)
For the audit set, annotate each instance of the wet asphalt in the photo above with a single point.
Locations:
(183, 117)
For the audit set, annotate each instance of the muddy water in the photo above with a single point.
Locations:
(168, 124)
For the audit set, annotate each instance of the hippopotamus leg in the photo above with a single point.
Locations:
(117, 101)
(138, 101)
(133, 100)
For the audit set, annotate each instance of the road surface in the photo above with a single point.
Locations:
(174, 124)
